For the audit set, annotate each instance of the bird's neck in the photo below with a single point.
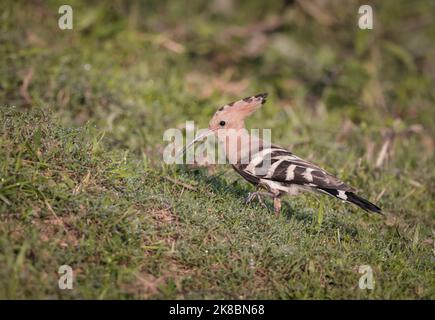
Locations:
(239, 144)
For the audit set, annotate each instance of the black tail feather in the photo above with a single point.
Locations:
(353, 198)
(363, 203)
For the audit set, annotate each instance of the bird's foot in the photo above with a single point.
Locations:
(258, 195)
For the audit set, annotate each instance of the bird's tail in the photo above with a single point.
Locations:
(353, 198)
(363, 203)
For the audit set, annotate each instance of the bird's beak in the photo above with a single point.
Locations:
(203, 135)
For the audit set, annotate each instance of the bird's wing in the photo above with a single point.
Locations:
(278, 164)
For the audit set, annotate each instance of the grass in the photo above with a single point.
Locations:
(82, 183)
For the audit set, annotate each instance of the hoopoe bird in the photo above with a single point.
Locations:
(272, 167)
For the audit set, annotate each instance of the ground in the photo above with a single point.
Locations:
(83, 183)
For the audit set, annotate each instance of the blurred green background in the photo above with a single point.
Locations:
(83, 113)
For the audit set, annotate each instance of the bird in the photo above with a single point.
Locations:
(269, 166)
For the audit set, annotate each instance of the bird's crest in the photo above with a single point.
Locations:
(244, 107)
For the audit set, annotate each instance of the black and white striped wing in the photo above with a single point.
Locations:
(281, 170)
(280, 165)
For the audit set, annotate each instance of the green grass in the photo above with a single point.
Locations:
(82, 180)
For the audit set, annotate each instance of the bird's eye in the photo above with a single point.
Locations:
(222, 123)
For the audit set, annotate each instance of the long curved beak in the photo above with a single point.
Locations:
(198, 138)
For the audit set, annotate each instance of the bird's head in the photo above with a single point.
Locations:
(233, 115)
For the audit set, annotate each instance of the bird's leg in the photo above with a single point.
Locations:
(258, 194)
(277, 205)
